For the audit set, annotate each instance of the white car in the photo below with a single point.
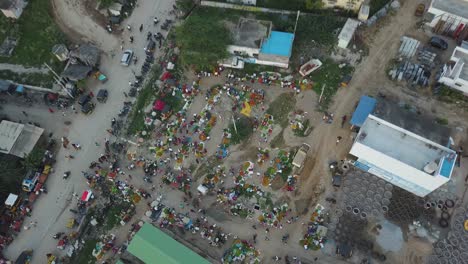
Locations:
(126, 58)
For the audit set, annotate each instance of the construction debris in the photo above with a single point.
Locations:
(408, 47)
(414, 73)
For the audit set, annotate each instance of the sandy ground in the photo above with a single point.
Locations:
(51, 210)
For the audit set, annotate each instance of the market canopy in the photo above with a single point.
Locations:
(151, 245)
(159, 105)
(365, 107)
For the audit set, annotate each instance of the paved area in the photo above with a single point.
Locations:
(51, 210)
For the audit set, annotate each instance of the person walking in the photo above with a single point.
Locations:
(24, 113)
(338, 139)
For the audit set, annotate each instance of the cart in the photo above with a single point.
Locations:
(71, 223)
(100, 76)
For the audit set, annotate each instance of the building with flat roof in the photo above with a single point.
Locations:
(18, 139)
(402, 157)
(152, 245)
(455, 72)
(256, 42)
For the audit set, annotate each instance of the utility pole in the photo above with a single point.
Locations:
(58, 79)
(234, 123)
(321, 93)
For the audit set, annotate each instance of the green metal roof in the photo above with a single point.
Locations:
(153, 246)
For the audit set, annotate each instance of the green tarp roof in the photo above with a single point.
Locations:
(153, 246)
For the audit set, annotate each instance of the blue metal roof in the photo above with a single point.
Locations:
(365, 107)
(448, 163)
(279, 43)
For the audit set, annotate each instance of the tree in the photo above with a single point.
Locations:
(313, 4)
(11, 175)
(33, 160)
(185, 5)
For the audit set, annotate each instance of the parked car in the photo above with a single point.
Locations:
(88, 108)
(126, 58)
(84, 99)
(438, 42)
(420, 10)
(102, 95)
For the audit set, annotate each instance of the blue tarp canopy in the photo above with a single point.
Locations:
(20, 89)
(365, 107)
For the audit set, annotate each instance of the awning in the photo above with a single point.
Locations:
(20, 89)
(165, 76)
(11, 200)
(159, 105)
(365, 107)
(86, 195)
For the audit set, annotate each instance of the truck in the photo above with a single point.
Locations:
(32, 178)
(300, 157)
(12, 202)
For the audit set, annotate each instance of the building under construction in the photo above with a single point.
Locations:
(449, 18)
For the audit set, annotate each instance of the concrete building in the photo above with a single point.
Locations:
(448, 17)
(398, 155)
(18, 139)
(344, 4)
(12, 8)
(455, 72)
(347, 33)
(256, 42)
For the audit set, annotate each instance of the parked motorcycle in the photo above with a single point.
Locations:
(66, 174)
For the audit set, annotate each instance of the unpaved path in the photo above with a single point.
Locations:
(21, 69)
(74, 20)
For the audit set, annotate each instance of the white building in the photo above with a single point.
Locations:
(18, 139)
(12, 8)
(401, 157)
(448, 16)
(347, 33)
(455, 72)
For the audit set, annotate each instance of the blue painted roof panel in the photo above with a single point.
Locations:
(365, 107)
(279, 43)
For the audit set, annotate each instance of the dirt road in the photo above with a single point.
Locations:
(51, 211)
(73, 19)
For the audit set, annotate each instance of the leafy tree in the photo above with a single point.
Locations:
(203, 41)
(34, 159)
(313, 4)
(185, 5)
(11, 175)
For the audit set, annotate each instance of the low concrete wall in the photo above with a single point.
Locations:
(245, 8)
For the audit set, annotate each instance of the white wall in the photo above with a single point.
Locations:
(243, 50)
(451, 76)
(345, 4)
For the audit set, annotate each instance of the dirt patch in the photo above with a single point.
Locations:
(414, 252)
(302, 205)
(278, 141)
(277, 183)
